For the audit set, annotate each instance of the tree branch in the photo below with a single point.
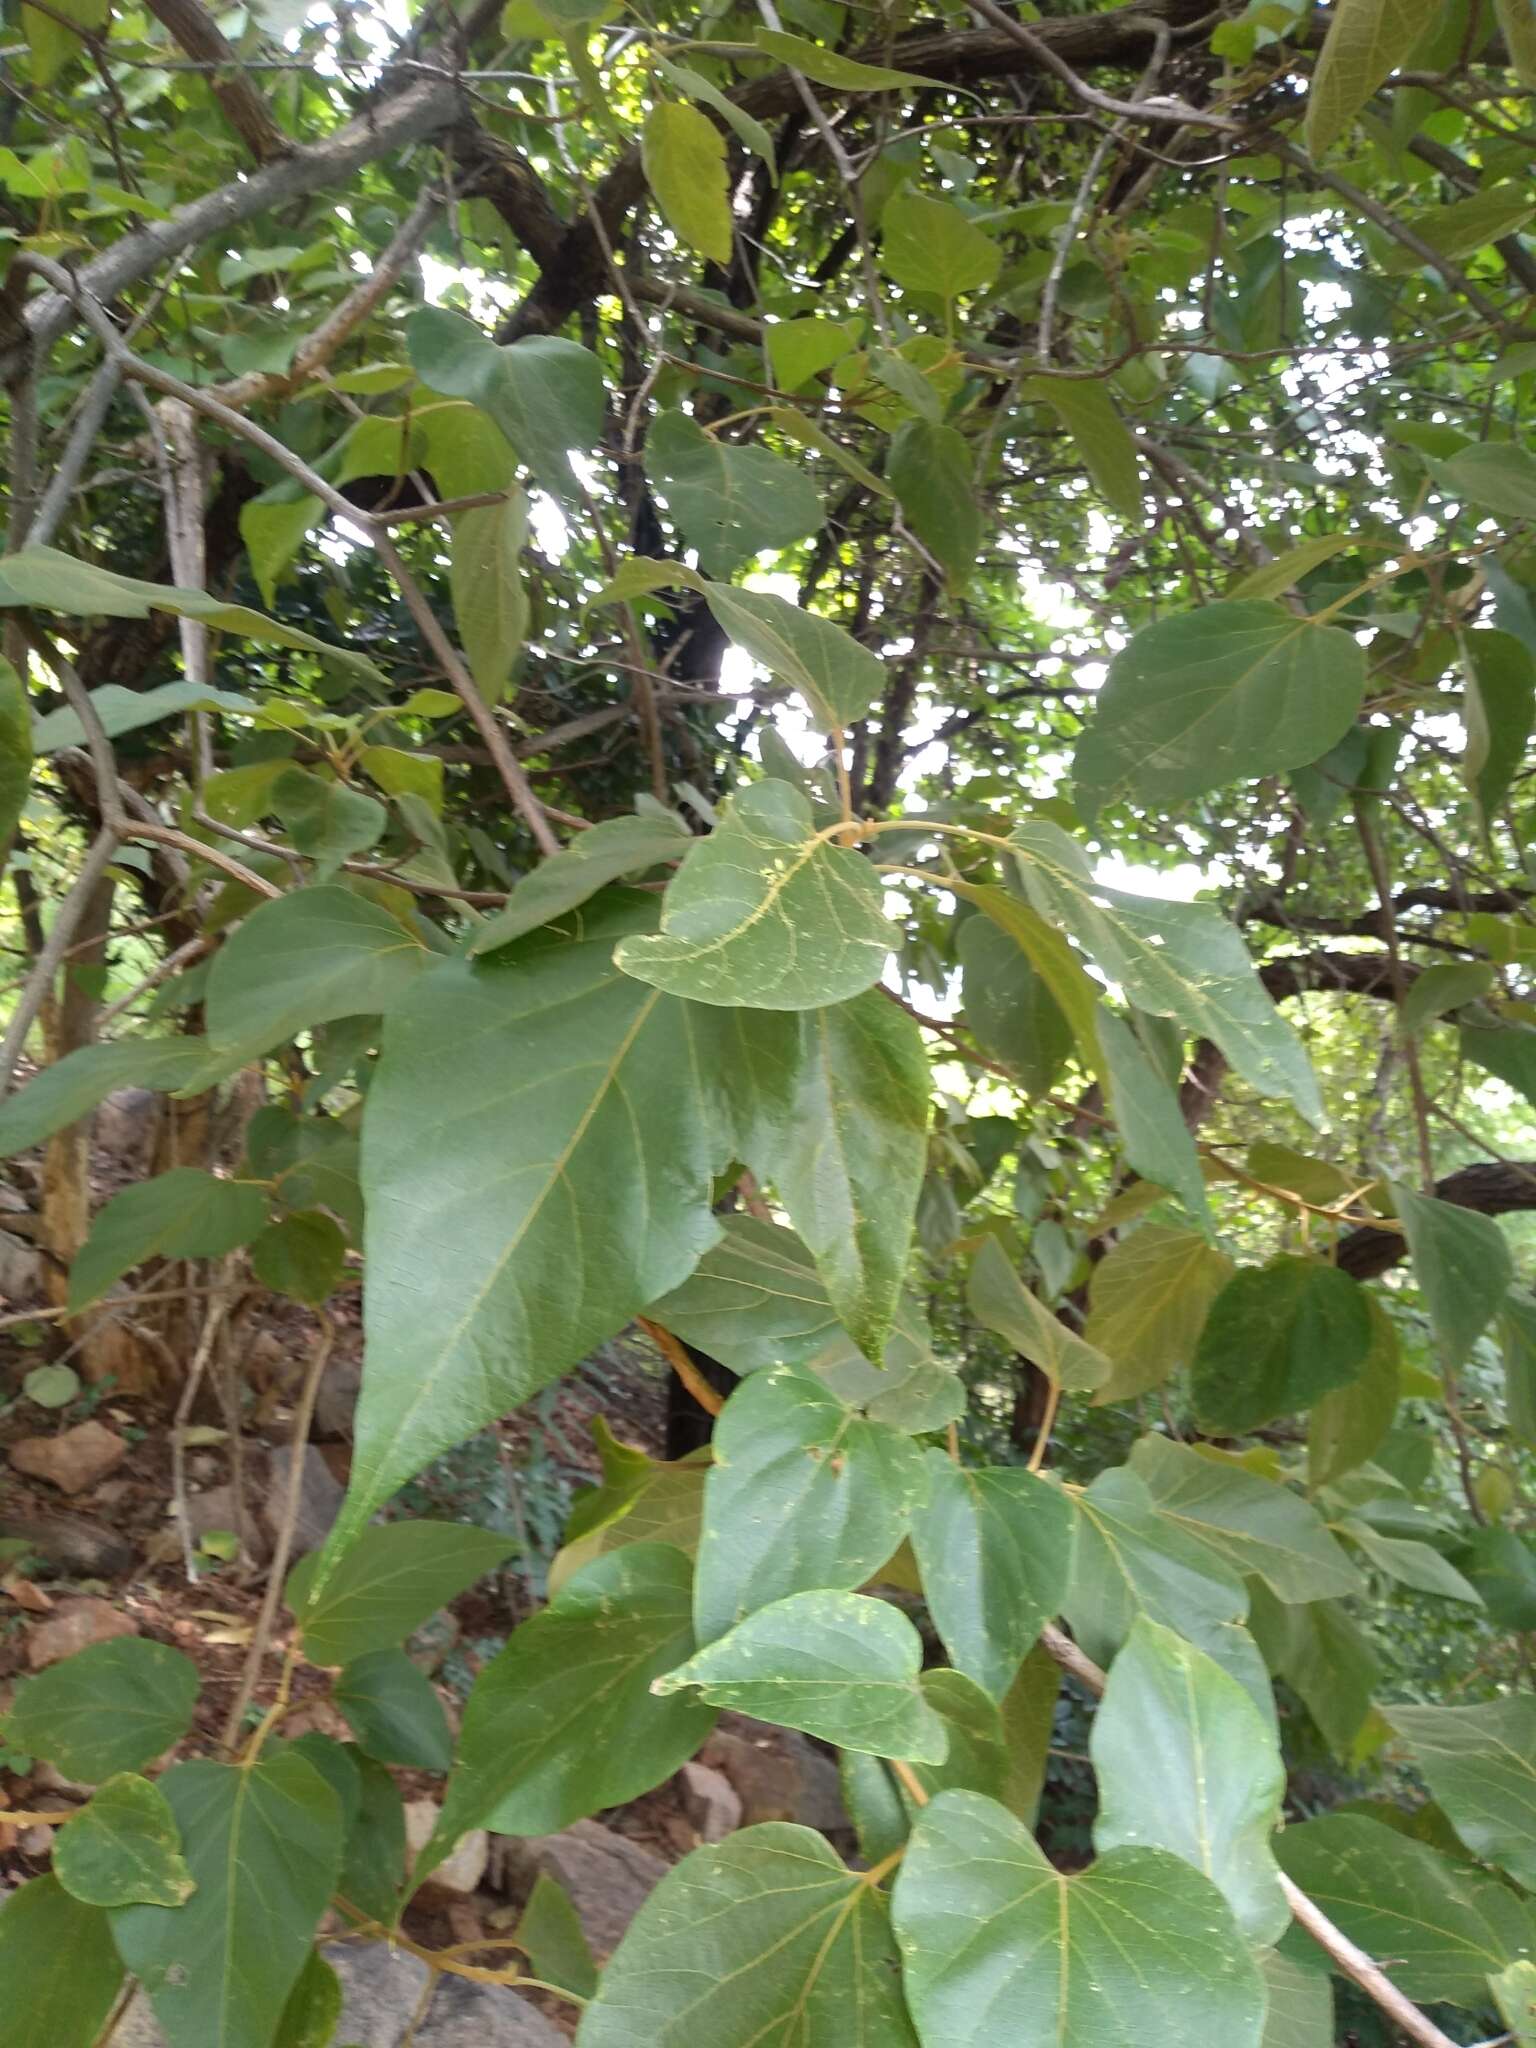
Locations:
(196, 31)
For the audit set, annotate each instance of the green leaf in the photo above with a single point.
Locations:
(59, 1971)
(1460, 229)
(1277, 1338)
(1179, 960)
(799, 350)
(1217, 696)
(1517, 1342)
(884, 1808)
(838, 1665)
(51, 43)
(327, 820)
(994, 1550)
(1410, 1563)
(124, 1848)
(589, 1103)
(1495, 476)
(930, 471)
(1501, 1566)
(684, 157)
(564, 1721)
(1147, 1304)
(1462, 1264)
(1514, 1991)
(1159, 1145)
(837, 1123)
(1256, 1526)
(1444, 1927)
(51, 1386)
(1325, 1659)
(1480, 1764)
(928, 245)
(551, 1936)
(123, 711)
(1300, 2011)
(1445, 986)
(730, 499)
(386, 1584)
(1138, 1952)
(765, 913)
(641, 1500)
(109, 1708)
(305, 959)
(1366, 40)
(1505, 1050)
(313, 2012)
(1518, 24)
(183, 1214)
(1274, 579)
(546, 394)
(838, 678)
(394, 1711)
(756, 1300)
(694, 86)
(16, 747)
(616, 847)
(274, 527)
(831, 67)
(803, 1495)
(490, 605)
(264, 1846)
(1186, 1762)
(1000, 1301)
(1102, 440)
(373, 1864)
(1009, 1007)
(763, 1941)
(302, 1256)
(1347, 1427)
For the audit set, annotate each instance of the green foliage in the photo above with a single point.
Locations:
(124, 1849)
(109, 1708)
(387, 1584)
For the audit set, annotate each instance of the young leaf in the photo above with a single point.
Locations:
(694, 86)
(263, 1843)
(1217, 696)
(60, 1973)
(766, 914)
(564, 1721)
(1277, 1338)
(730, 499)
(1101, 438)
(1462, 1264)
(111, 1707)
(1186, 1762)
(490, 605)
(803, 1494)
(551, 1936)
(183, 1214)
(1000, 1301)
(1366, 40)
(394, 1711)
(326, 819)
(1147, 1304)
(1159, 1145)
(305, 959)
(767, 1938)
(994, 1550)
(386, 1584)
(1138, 1952)
(1480, 1764)
(838, 1665)
(684, 157)
(124, 1848)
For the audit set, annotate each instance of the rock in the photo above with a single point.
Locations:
(608, 1877)
(777, 1774)
(71, 1544)
(319, 1499)
(460, 1875)
(73, 1460)
(21, 1264)
(433, 1640)
(381, 1989)
(126, 1126)
(819, 1802)
(710, 1801)
(217, 1509)
(75, 1625)
(336, 1403)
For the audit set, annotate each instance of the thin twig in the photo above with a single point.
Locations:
(672, 1350)
(217, 1308)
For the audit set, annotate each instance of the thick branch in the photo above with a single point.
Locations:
(1490, 1187)
(244, 108)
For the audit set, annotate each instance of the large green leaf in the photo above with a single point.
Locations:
(994, 1550)
(263, 1843)
(184, 1214)
(60, 1973)
(111, 1707)
(1500, 1564)
(1009, 1007)
(1147, 1304)
(766, 913)
(1000, 1301)
(1300, 2011)
(387, 1583)
(616, 847)
(1276, 1339)
(1138, 1952)
(838, 678)
(839, 1665)
(373, 1864)
(684, 157)
(1186, 1762)
(73, 1086)
(563, 1722)
(928, 245)
(1045, 949)
(546, 394)
(730, 499)
(1347, 1427)
(531, 1192)
(1179, 960)
(804, 1493)
(1462, 1264)
(756, 1300)
(124, 1848)
(1216, 696)
(327, 819)
(394, 1710)
(1409, 1562)
(1257, 1526)
(490, 604)
(1443, 1926)
(767, 1941)
(121, 711)
(303, 960)
(1366, 40)
(837, 1124)
(1159, 1145)
(1480, 1764)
